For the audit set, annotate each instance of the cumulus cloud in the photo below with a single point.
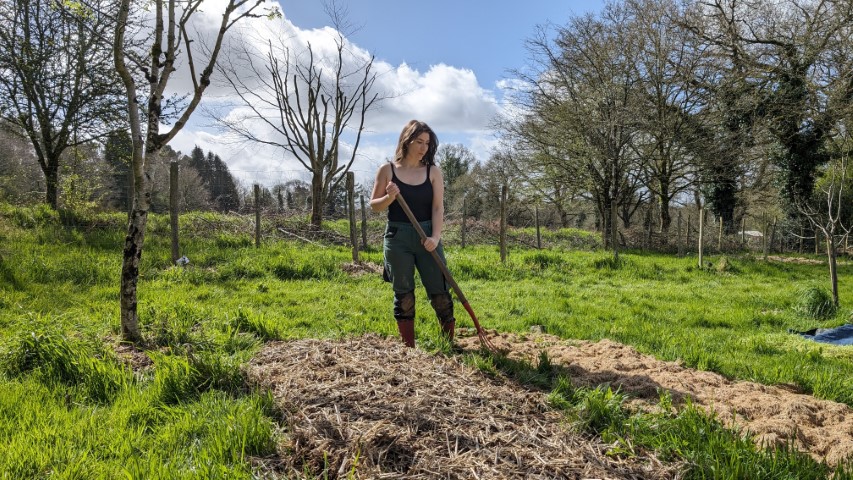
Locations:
(450, 99)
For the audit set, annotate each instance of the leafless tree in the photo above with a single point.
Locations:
(579, 106)
(669, 68)
(168, 36)
(303, 103)
(831, 206)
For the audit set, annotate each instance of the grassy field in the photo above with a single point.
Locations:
(70, 409)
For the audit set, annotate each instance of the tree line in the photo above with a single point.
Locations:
(731, 105)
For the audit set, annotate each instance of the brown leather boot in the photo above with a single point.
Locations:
(448, 329)
(442, 303)
(407, 331)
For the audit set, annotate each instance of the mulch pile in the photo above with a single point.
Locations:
(367, 407)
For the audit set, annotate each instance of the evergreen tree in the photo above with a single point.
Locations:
(288, 199)
(199, 163)
(224, 192)
(117, 154)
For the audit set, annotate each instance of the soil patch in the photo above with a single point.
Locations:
(367, 407)
(773, 414)
(357, 269)
(800, 260)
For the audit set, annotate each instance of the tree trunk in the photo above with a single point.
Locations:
(663, 215)
(51, 176)
(133, 243)
(563, 214)
(317, 199)
(614, 232)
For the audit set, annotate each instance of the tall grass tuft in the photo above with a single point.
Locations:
(599, 410)
(219, 372)
(53, 358)
(176, 326)
(609, 263)
(815, 302)
(179, 379)
(176, 380)
(258, 324)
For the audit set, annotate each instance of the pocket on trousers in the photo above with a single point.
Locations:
(391, 232)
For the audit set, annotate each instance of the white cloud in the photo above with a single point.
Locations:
(450, 99)
(447, 98)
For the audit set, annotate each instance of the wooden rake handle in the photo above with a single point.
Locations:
(458, 291)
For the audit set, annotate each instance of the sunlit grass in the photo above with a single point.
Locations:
(90, 416)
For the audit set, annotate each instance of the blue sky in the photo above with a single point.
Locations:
(449, 57)
(486, 37)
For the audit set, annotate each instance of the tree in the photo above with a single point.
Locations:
(455, 160)
(298, 193)
(668, 71)
(778, 69)
(198, 161)
(20, 177)
(55, 78)
(224, 189)
(118, 151)
(156, 60)
(830, 209)
(579, 107)
(307, 103)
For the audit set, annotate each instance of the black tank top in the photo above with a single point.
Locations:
(418, 197)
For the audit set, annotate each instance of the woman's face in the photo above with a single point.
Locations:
(419, 146)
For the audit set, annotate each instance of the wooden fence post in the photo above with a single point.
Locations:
(816, 242)
(363, 223)
(701, 232)
(173, 208)
(647, 234)
(678, 236)
(351, 215)
(773, 233)
(538, 235)
(257, 216)
(720, 236)
(614, 229)
(689, 227)
(503, 223)
(464, 214)
(802, 232)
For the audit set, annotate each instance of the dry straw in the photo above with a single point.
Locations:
(369, 408)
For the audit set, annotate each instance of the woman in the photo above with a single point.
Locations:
(414, 175)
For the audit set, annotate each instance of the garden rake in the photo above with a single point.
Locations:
(481, 334)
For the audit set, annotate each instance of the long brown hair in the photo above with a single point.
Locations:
(412, 130)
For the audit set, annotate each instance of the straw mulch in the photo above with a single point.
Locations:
(367, 407)
(774, 415)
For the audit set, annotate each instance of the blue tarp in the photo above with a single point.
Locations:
(842, 335)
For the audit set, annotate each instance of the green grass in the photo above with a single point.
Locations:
(69, 407)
